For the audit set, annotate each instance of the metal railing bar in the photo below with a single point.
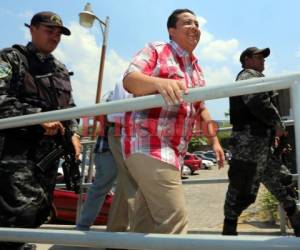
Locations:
(148, 241)
(205, 181)
(151, 101)
(287, 123)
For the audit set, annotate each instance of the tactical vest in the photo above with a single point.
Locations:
(46, 85)
(240, 114)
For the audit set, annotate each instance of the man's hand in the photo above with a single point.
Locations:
(77, 145)
(276, 142)
(139, 84)
(219, 152)
(281, 132)
(171, 90)
(52, 128)
(212, 137)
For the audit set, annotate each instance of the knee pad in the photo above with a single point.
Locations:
(29, 215)
(33, 216)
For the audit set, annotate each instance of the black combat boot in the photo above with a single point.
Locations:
(16, 246)
(28, 246)
(229, 227)
(295, 222)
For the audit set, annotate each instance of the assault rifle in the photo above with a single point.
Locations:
(70, 166)
(281, 151)
(282, 148)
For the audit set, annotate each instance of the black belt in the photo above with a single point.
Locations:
(254, 130)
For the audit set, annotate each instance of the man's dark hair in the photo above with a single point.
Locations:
(172, 20)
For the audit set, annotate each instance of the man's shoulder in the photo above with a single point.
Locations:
(9, 52)
(157, 45)
(248, 74)
(59, 65)
(10, 56)
(5, 51)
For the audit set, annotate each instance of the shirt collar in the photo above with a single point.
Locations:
(42, 57)
(182, 53)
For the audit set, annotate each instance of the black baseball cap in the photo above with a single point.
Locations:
(49, 18)
(254, 51)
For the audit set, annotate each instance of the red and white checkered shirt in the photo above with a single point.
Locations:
(163, 133)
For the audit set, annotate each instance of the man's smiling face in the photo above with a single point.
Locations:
(186, 33)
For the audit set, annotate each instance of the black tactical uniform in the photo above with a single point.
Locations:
(254, 118)
(30, 82)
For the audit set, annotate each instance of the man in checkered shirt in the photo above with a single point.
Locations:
(154, 141)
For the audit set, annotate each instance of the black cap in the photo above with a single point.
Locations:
(49, 18)
(254, 51)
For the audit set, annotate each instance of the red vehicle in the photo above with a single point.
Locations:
(64, 206)
(192, 162)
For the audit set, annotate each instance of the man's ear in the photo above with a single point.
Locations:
(32, 28)
(171, 32)
(247, 58)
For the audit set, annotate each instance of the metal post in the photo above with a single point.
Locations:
(295, 93)
(282, 219)
(86, 146)
(102, 60)
(99, 86)
(80, 195)
(101, 68)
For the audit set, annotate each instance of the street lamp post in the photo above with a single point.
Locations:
(86, 19)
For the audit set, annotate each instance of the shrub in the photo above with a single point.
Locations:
(270, 205)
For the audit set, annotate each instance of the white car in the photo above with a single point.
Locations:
(206, 164)
(185, 171)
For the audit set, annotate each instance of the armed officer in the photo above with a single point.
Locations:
(256, 125)
(32, 80)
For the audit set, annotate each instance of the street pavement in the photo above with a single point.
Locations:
(205, 210)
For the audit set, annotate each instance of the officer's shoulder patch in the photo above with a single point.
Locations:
(5, 70)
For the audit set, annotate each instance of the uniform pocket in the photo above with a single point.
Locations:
(30, 87)
(63, 88)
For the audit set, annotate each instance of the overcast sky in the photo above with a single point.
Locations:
(227, 27)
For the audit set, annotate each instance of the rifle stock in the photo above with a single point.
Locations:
(46, 163)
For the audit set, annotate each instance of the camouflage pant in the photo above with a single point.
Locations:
(252, 163)
(25, 193)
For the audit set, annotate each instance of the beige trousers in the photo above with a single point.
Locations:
(159, 202)
(121, 211)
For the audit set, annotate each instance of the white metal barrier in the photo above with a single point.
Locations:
(148, 241)
(153, 241)
(151, 101)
